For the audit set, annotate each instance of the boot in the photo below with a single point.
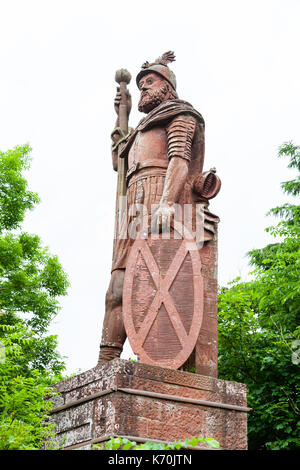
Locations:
(109, 351)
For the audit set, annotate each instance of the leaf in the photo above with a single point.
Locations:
(194, 441)
(212, 443)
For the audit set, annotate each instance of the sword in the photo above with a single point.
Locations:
(122, 77)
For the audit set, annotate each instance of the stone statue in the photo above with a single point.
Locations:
(163, 289)
(162, 168)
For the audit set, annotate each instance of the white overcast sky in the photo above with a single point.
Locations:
(237, 63)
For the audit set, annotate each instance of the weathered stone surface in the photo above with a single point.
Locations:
(163, 300)
(162, 287)
(206, 352)
(113, 401)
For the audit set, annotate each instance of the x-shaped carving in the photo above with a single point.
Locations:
(163, 285)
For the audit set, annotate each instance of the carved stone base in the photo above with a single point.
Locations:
(143, 402)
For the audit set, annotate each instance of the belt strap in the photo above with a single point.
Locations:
(139, 165)
(144, 176)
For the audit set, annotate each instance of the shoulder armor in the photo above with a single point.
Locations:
(180, 134)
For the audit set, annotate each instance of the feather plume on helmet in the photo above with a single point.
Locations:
(159, 66)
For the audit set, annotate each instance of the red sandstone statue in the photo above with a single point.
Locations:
(163, 289)
(160, 165)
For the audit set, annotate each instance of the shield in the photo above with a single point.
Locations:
(163, 300)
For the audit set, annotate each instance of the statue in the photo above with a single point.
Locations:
(163, 289)
(156, 285)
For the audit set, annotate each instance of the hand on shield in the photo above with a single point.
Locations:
(161, 219)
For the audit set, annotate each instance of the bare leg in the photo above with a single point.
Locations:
(113, 332)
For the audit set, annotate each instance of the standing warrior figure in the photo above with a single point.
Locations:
(165, 155)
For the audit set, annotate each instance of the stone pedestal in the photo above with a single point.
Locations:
(143, 402)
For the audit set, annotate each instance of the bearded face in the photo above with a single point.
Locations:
(154, 91)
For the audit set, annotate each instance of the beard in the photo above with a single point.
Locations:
(152, 98)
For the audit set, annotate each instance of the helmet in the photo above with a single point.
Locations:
(161, 68)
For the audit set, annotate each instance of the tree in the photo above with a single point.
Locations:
(31, 280)
(259, 333)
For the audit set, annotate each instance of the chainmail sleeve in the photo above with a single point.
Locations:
(180, 134)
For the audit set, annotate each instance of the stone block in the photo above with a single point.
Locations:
(142, 402)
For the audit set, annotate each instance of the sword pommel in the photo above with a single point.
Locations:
(123, 75)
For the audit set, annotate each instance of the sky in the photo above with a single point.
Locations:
(237, 63)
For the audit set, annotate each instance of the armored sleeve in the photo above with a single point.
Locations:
(180, 134)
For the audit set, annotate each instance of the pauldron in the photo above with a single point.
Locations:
(180, 134)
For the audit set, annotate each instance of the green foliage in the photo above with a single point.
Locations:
(192, 370)
(31, 280)
(121, 443)
(15, 198)
(259, 330)
(22, 391)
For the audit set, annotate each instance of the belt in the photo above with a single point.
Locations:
(142, 176)
(142, 165)
(132, 169)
